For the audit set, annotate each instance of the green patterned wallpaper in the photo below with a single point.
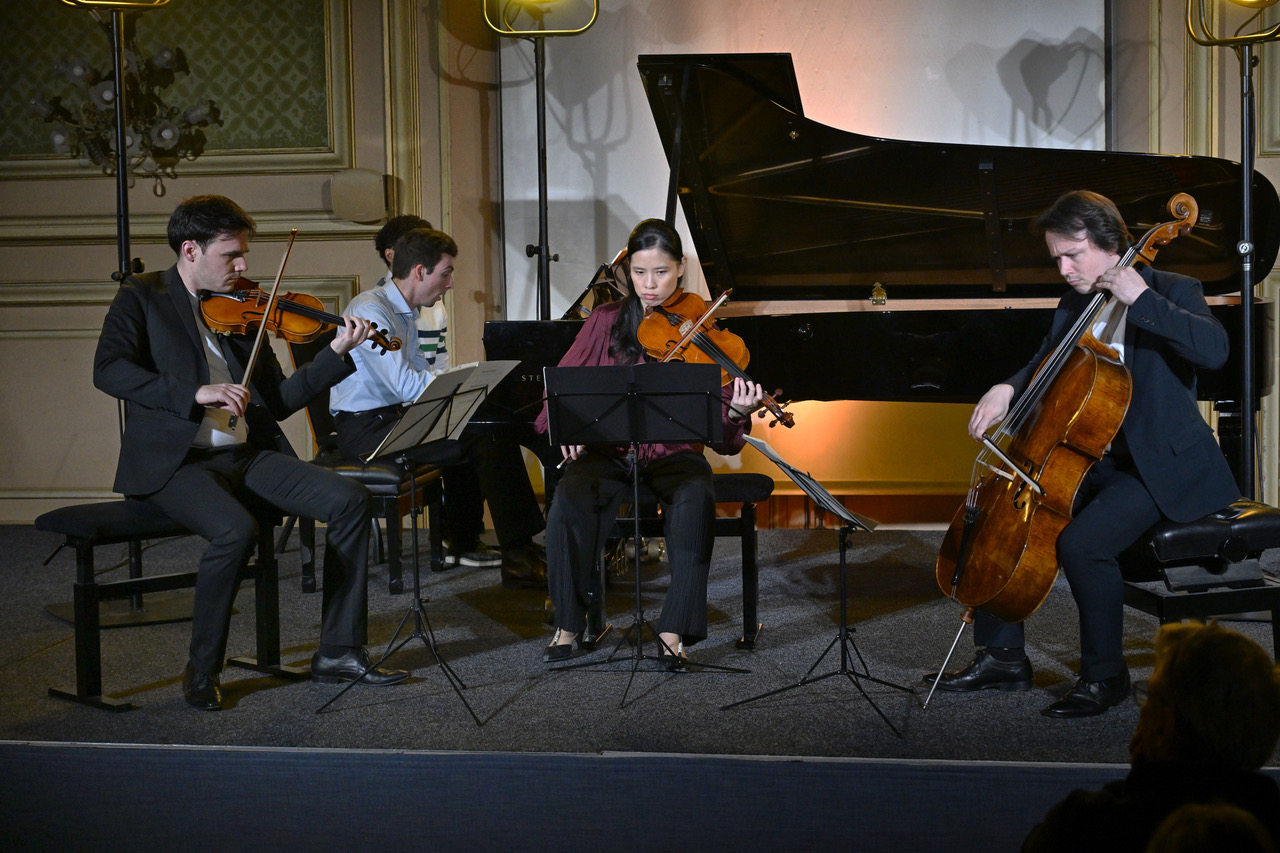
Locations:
(263, 62)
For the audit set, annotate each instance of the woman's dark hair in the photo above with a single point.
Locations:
(650, 234)
(1085, 213)
(204, 218)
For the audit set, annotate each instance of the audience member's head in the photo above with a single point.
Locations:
(1213, 698)
(396, 228)
(1210, 828)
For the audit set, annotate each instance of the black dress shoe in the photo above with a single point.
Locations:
(675, 659)
(557, 651)
(201, 690)
(524, 566)
(1090, 698)
(471, 552)
(348, 668)
(983, 673)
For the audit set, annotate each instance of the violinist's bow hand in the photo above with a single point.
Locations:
(234, 398)
(571, 452)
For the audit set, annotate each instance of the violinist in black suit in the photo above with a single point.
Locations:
(198, 439)
(1164, 463)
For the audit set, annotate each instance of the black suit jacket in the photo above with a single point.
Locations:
(150, 355)
(1169, 333)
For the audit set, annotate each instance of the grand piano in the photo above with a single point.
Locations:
(877, 269)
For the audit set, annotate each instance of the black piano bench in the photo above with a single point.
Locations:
(744, 489)
(1207, 567)
(388, 484)
(86, 526)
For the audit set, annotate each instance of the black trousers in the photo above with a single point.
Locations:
(1113, 508)
(203, 496)
(582, 515)
(492, 469)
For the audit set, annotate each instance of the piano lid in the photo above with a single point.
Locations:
(781, 207)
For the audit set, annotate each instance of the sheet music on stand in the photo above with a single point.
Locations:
(814, 489)
(444, 407)
(474, 389)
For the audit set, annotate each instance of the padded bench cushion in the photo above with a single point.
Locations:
(1232, 534)
(110, 522)
(384, 478)
(742, 488)
(730, 488)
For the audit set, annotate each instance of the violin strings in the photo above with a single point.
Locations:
(712, 349)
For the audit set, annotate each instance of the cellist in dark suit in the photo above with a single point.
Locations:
(1164, 463)
(184, 451)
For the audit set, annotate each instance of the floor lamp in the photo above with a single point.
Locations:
(1198, 28)
(527, 19)
(117, 8)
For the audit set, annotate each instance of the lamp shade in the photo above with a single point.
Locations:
(540, 17)
(117, 4)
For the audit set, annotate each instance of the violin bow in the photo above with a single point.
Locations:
(266, 313)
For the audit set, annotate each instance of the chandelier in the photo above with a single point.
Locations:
(157, 136)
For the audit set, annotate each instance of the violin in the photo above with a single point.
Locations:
(682, 329)
(297, 317)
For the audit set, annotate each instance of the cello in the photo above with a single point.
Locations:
(1000, 551)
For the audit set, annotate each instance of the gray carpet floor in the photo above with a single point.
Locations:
(492, 637)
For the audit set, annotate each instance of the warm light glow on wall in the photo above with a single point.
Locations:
(859, 447)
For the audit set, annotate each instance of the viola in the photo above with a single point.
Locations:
(682, 329)
(295, 317)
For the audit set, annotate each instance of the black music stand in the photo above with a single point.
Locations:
(848, 650)
(634, 405)
(425, 434)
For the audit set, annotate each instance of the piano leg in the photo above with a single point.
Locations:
(1230, 434)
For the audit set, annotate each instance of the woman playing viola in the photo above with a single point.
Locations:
(596, 479)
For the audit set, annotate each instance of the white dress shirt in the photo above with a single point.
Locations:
(382, 379)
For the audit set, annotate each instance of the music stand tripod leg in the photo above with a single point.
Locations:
(848, 651)
(421, 624)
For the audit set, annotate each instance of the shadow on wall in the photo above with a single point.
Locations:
(1055, 89)
(607, 220)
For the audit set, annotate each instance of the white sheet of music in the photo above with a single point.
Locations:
(475, 387)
